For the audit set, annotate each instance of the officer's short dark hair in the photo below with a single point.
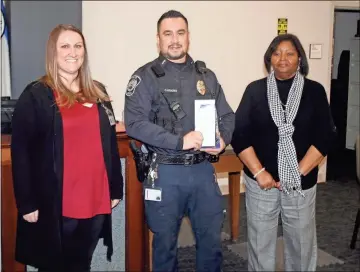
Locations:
(171, 14)
(304, 66)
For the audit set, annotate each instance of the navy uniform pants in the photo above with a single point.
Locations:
(192, 191)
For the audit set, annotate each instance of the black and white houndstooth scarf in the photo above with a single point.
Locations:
(288, 166)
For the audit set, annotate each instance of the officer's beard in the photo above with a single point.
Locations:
(171, 57)
(174, 57)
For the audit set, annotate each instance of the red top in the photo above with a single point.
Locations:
(85, 184)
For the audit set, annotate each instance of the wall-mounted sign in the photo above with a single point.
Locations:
(315, 51)
(282, 26)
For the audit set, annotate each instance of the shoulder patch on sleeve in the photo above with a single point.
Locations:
(133, 83)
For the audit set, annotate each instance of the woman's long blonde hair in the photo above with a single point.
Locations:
(90, 90)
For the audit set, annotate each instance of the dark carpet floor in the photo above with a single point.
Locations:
(336, 208)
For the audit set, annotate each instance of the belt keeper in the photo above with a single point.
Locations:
(261, 170)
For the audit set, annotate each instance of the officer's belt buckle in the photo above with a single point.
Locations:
(189, 159)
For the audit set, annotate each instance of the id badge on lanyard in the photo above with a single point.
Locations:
(152, 193)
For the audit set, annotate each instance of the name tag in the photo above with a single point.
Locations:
(153, 194)
(88, 105)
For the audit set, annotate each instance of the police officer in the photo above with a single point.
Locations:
(159, 112)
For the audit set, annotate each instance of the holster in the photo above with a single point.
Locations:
(142, 161)
(213, 158)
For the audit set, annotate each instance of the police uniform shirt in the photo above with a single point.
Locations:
(144, 95)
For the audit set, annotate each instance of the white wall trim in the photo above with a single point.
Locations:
(354, 5)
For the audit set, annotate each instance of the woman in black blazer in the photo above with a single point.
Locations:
(66, 165)
(283, 130)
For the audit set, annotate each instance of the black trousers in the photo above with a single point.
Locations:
(80, 237)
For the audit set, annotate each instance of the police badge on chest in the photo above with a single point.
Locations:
(200, 86)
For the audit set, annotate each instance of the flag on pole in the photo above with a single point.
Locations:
(5, 79)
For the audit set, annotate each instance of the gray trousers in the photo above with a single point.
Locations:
(299, 228)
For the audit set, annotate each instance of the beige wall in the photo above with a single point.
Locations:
(231, 37)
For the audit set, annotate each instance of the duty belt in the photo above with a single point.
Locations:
(186, 159)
